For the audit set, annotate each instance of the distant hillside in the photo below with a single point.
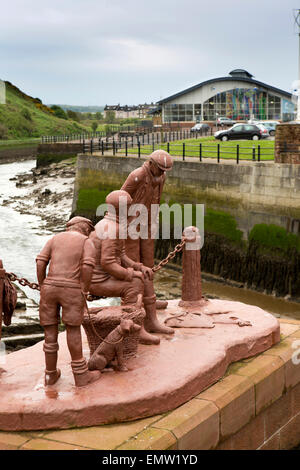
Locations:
(81, 109)
(24, 116)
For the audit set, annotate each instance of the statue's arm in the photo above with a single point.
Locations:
(109, 263)
(88, 264)
(42, 261)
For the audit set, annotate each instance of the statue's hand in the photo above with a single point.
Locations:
(148, 273)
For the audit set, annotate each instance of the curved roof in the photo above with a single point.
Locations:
(237, 74)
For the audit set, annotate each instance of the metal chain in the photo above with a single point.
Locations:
(170, 256)
(24, 282)
(90, 297)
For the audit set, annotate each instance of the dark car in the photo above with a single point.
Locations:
(242, 131)
(200, 127)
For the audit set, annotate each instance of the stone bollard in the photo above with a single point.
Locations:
(191, 270)
(2, 277)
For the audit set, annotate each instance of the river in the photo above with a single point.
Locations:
(22, 236)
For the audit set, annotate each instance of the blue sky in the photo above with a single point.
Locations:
(96, 52)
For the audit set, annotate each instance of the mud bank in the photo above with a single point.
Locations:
(47, 193)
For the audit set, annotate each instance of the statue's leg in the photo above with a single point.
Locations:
(49, 320)
(50, 347)
(73, 305)
(151, 322)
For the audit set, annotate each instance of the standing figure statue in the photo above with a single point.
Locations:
(145, 185)
(71, 255)
(115, 274)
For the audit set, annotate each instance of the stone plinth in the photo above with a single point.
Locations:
(287, 143)
(160, 378)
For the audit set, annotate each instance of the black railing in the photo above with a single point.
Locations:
(201, 150)
(144, 134)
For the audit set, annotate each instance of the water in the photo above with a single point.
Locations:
(21, 236)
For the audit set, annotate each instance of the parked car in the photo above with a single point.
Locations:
(270, 126)
(200, 127)
(222, 120)
(242, 131)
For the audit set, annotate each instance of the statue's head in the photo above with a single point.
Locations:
(117, 199)
(80, 224)
(160, 161)
(128, 326)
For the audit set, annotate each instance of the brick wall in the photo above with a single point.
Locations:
(287, 143)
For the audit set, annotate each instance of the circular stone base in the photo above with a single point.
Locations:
(160, 378)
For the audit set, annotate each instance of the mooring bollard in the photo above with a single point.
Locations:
(2, 277)
(191, 270)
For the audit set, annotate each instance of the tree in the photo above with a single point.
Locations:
(59, 112)
(99, 116)
(73, 115)
(94, 126)
(110, 116)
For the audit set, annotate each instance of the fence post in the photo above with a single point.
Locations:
(114, 149)
(126, 148)
(83, 145)
(153, 146)
(253, 153)
(91, 146)
(218, 153)
(102, 147)
(258, 153)
(168, 147)
(200, 152)
(139, 149)
(183, 151)
(237, 153)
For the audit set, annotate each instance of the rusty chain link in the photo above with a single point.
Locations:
(90, 297)
(170, 256)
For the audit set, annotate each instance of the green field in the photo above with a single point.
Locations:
(209, 148)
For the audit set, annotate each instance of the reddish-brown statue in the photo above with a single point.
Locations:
(116, 274)
(145, 185)
(112, 347)
(71, 255)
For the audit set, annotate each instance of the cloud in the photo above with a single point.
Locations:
(84, 51)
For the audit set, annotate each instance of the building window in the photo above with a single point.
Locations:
(179, 112)
(239, 104)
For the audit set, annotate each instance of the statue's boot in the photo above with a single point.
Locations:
(161, 304)
(83, 376)
(52, 374)
(147, 338)
(151, 322)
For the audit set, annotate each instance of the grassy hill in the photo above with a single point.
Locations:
(23, 116)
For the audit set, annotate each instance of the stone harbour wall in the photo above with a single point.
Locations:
(275, 187)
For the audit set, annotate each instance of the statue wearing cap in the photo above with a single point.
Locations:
(71, 259)
(145, 186)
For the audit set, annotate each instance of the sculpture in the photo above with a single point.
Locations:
(112, 347)
(72, 258)
(116, 274)
(145, 185)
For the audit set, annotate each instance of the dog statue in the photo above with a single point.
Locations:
(112, 347)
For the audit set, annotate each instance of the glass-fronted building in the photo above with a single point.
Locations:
(237, 97)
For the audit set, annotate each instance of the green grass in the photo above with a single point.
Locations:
(25, 117)
(19, 143)
(210, 148)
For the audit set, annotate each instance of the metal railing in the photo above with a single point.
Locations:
(200, 150)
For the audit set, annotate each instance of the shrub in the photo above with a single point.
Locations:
(272, 236)
(3, 132)
(59, 112)
(26, 114)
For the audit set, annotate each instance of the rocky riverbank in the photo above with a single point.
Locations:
(47, 193)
